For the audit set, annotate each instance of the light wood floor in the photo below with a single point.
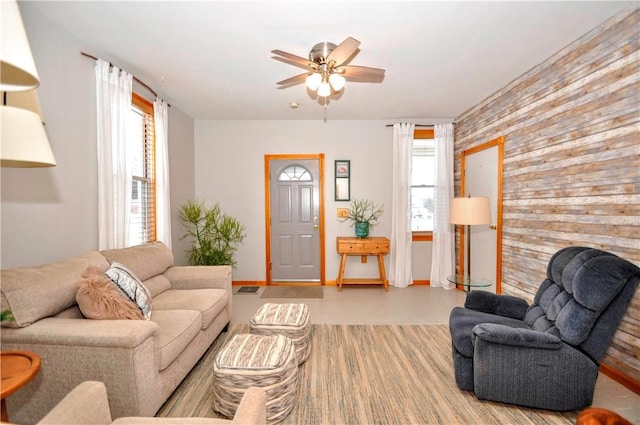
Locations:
(362, 305)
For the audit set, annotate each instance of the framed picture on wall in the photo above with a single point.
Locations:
(342, 178)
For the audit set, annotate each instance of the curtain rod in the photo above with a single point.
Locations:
(136, 79)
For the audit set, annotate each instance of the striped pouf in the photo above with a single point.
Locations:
(256, 361)
(291, 320)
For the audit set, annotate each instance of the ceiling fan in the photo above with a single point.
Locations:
(327, 67)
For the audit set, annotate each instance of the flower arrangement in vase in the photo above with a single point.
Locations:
(363, 214)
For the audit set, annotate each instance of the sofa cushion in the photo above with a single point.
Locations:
(209, 302)
(98, 298)
(131, 286)
(37, 292)
(177, 330)
(157, 285)
(144, 260)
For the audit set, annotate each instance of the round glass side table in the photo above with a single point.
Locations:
(468, 283)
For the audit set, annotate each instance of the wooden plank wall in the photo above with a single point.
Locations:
(571, 163)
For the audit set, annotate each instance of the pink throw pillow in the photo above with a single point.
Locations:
(99, 298)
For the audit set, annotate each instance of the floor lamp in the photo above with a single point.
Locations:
(469, 211)
(23, 141)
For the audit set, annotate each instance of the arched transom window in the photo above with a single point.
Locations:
(295, 173)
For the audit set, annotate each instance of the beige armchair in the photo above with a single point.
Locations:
(87, 404)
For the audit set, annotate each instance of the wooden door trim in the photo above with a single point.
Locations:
(499, 142)
(267, 206)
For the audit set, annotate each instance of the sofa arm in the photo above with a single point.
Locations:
(199, 277)
(82, 333)
(502, 305)
(519, 337)
(252, 409)
(86, 404)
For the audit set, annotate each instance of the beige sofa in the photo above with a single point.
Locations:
(87, 404)
(141, 362)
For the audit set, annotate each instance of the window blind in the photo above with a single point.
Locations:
(142, 224)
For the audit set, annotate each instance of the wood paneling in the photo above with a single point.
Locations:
(571, 163)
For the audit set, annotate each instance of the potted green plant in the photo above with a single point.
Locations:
(363, 214)
(215, 235)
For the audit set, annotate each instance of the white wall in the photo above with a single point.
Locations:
(49, 214)
(229, 168)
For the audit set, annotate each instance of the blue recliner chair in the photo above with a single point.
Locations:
(546, 355)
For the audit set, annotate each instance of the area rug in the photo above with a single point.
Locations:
(357, 374)
(293, 292)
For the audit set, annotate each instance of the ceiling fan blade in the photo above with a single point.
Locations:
(344, 51)
(294, 60)
(353, 72)
(294, 80)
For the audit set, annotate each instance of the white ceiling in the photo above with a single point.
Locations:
(212, 59)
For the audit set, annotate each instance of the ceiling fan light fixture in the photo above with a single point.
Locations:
(337, 81)
(324, 89)
(313, 81)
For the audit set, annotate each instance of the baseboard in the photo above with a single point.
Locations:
(326, 283)
(264, 283)
(620, 378)
(249, 283)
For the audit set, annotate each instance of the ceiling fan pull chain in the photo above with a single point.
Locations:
(325, 110)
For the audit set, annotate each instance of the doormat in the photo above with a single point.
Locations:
(293, 292)
(247, 290)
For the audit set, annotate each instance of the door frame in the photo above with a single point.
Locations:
(267, 206)
(499, 142)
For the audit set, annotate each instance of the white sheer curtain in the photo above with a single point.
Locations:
(443, 256)
(163, 206)
(113, 95)
(400, 257)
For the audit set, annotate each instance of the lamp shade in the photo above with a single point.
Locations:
(337, 81)
(23, 99)
(23, 141)
(313, 81)
(471, 210)
(17, 68)
(324, 90)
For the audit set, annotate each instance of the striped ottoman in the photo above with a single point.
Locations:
(259, 361)
(291, 320)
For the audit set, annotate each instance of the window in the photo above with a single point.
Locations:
(295, 173)
(422, 181)
(141, 140)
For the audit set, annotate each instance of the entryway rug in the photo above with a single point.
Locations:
(366, 375)
(293, 292)
(247, 290)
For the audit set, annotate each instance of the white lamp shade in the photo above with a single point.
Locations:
(23, 141)
(23, 99)
(337, 81)
(324, 90)
(471, 210)
(17, 68)
(313, 81)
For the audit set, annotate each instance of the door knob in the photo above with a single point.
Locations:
(315, 227)
(493, 227)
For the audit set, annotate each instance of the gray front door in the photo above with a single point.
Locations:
(295, 236)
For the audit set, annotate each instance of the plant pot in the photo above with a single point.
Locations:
(362, 229)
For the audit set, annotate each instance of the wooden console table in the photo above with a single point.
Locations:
(364, 247)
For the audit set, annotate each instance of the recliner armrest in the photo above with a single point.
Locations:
(519, 337)
(502, 305)
(86, 404)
